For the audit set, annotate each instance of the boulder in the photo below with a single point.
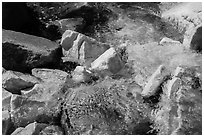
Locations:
(23, 52)
(15, 81)
(108, 107)
(168, 41)
(6, 98)
(7, 125)
(109, 62)
(155, 81)
(180, 109)
(25, 111)
(31, 129)
(79, 48)
(80, 74)
(51, 130)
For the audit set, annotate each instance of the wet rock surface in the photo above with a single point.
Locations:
(102, 68)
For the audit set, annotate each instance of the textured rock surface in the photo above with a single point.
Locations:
(80, 48)
(15, 81)
(51, 130)
(31, 129)
(22, 52)
(105, 108)
(109, 61)
(180, 110)
(50, 75)
(25, 111)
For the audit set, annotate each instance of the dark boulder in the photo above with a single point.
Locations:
(196, 42)
(22, 52)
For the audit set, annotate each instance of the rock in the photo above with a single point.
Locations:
(80, 74)
(109, 61)
(6, 98)
(51, 130)
(31, 129)
(105, 108)
(187, 17)
(7, 125)
(25, 111)
(180, 109)
(154, 81)
(168, 41)
(15, 81)
(80, 48)
(49, 75)
(22, 52)
(196, 42)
